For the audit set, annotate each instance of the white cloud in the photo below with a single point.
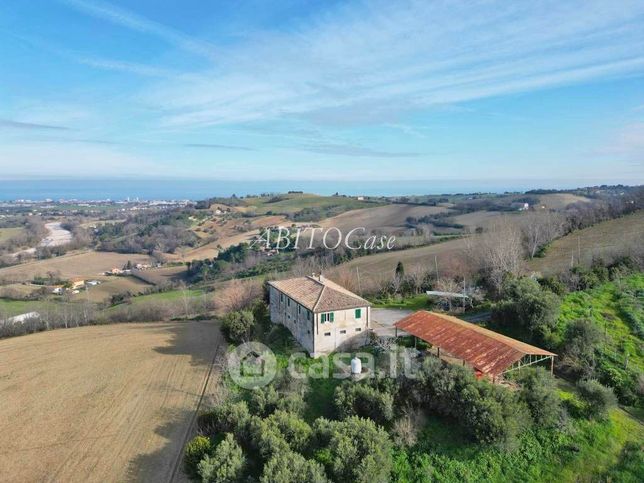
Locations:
(141, 24)
(374, 61)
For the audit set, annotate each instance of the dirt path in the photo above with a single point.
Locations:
(102, 403)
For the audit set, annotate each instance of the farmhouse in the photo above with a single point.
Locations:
(322, 315)
(488, 353)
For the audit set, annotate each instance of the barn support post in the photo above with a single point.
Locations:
(552, 365)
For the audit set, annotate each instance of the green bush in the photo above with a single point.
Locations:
(226, 465)
(229, 417)
(598, 399)
(360, 399)
(539, 392)
(195, 451)
(292, 402)
(290, 467)
(578, 355)
(279, 432)
(263, 401)
(488, 413)
(238, 326)
(355, 450)
(527, 306)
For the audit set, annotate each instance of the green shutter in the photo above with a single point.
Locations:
(331, 314)
(358, 313)
(323, 317)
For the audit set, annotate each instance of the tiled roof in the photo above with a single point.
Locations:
(485, 350)
(319, 295)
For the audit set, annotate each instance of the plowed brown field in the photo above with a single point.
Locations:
(101, 403)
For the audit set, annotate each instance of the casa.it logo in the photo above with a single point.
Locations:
(252, 365)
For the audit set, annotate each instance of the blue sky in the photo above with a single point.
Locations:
(308, 90)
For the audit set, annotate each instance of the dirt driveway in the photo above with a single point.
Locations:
(101, 403)
(383, 320)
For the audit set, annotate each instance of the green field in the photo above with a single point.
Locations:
(292, 203)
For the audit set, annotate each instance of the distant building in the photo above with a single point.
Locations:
(322, 315)
(19, 319)
(519, 206)
(77, 283)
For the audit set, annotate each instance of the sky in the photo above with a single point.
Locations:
(322, 90)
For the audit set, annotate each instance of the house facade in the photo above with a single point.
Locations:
(322, 315)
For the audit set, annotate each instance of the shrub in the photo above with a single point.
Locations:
(526, 305)
(490, 414)
(599, 399)
(196, 450)
(278, 433)
(538, 391)
(229, 417)
(406, 428)
(237, 326)
(290, 467)
(292, 403)
(226, 463)
(263, 401)
(578, 354)
(355, 449)
(360, 399)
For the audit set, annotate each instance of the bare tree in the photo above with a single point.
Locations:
(417, 275)
(540, 228)
(500, 251)
(448, 285)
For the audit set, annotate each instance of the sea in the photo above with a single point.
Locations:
(198, 189)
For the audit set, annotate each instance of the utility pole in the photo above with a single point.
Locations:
(436, 265)
(358, 275)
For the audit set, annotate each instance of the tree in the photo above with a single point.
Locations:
(226, 465)
(195, 451)
(578, 358)
(400, 270)
(237, 326)
(229, 417)
(540, 228)
(539, 392)
(360, 399)
(599, 399)
(290, 467)
(278, 433)
(525, 304)
(499, 252)
(355, 449)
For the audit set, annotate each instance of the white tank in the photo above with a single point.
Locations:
(356, 365)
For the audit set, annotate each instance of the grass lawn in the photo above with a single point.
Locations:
(170, 295)
(416, 302)
(16, 307)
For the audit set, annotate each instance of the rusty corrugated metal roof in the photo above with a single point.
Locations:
(483, 349)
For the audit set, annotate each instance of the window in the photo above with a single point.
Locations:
(358, 313)
(299, 309)
(327, 334)
(328, 317)
(308, 315)
(281, 297)
(358, 329)
(288, 302)
(343, 331)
